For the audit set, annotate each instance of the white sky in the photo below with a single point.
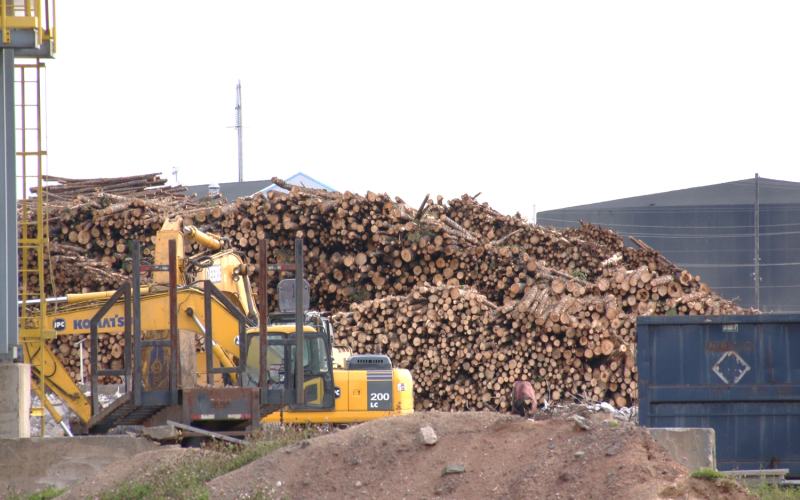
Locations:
(548, 103)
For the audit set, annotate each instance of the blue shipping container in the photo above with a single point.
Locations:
(739, 375)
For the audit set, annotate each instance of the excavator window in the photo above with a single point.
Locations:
(318, 383)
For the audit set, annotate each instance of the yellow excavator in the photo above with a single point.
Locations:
(208, 296)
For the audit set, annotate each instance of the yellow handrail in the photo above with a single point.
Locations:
(29, 14)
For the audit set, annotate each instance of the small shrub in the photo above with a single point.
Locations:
(708, 474)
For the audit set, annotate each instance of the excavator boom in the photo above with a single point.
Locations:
(155, 316)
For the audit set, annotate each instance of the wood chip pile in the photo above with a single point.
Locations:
(468, 299)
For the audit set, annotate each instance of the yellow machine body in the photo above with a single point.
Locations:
(353, 403)
(155, 316)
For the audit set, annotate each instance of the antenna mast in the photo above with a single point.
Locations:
(239, 126)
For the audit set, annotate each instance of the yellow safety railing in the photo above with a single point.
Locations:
(39, 15)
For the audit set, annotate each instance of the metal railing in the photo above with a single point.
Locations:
(37, 15)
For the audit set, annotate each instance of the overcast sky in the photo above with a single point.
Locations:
(548, 103)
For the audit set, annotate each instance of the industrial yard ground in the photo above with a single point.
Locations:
(502, 456)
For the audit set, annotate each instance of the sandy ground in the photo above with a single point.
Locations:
(502, 456)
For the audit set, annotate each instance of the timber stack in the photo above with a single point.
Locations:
(467, 298)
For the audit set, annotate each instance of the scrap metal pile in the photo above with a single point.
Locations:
(468, 299)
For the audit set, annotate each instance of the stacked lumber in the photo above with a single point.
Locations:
(560, 304)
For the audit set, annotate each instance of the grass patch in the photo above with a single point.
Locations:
(766, 491)
(50, 492)
(708, 474)
(580, 275)
(186, 478)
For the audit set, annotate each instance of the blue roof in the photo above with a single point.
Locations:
(302, 180)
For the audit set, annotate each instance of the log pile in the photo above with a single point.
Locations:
(512, 300)
(93, 222)
(110, 355)
(60, 191)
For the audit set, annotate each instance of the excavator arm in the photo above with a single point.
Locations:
(155, 316)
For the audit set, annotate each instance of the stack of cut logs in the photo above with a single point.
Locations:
(467, 298)
(92, 224)
(110, 355)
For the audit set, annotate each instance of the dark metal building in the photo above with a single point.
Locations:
(711, 232)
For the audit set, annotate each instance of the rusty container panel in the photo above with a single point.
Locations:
(739, 375)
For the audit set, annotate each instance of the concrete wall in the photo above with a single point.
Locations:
(693, 447)
(15, 400)
(28, 464)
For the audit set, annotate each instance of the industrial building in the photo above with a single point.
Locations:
(233, 190)
(712, 232)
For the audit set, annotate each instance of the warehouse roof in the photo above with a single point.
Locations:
(230, 190)
(742, 192)
(234, 190)
(300, 179)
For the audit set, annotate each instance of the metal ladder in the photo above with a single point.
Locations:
(34, 234)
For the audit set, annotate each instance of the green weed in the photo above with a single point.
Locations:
(708, 474)
(766, 491)
(580, 275)
(50, 492)
(187, 477)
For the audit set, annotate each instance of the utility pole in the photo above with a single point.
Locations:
(757, 257)
(239, 126)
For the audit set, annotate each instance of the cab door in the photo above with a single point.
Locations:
(317, 373)
(317, 370)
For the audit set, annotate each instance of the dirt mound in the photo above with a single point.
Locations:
(502, 457)
(127, 470)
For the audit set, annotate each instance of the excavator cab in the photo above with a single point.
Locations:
(281, 348)
(317, 365)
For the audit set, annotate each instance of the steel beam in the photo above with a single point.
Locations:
(22, 39)
(299, 379)
(8, 231)
(44, 51)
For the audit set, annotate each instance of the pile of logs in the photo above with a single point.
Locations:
(467, 298)
(68, 351)
(568, 337)
(92, 223)
(60, 191)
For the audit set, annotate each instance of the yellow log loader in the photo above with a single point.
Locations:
(247, 370)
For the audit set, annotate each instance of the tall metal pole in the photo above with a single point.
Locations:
(299, 317)
(239, 127)
(263, 314)
(9, 277)
(757, 257)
